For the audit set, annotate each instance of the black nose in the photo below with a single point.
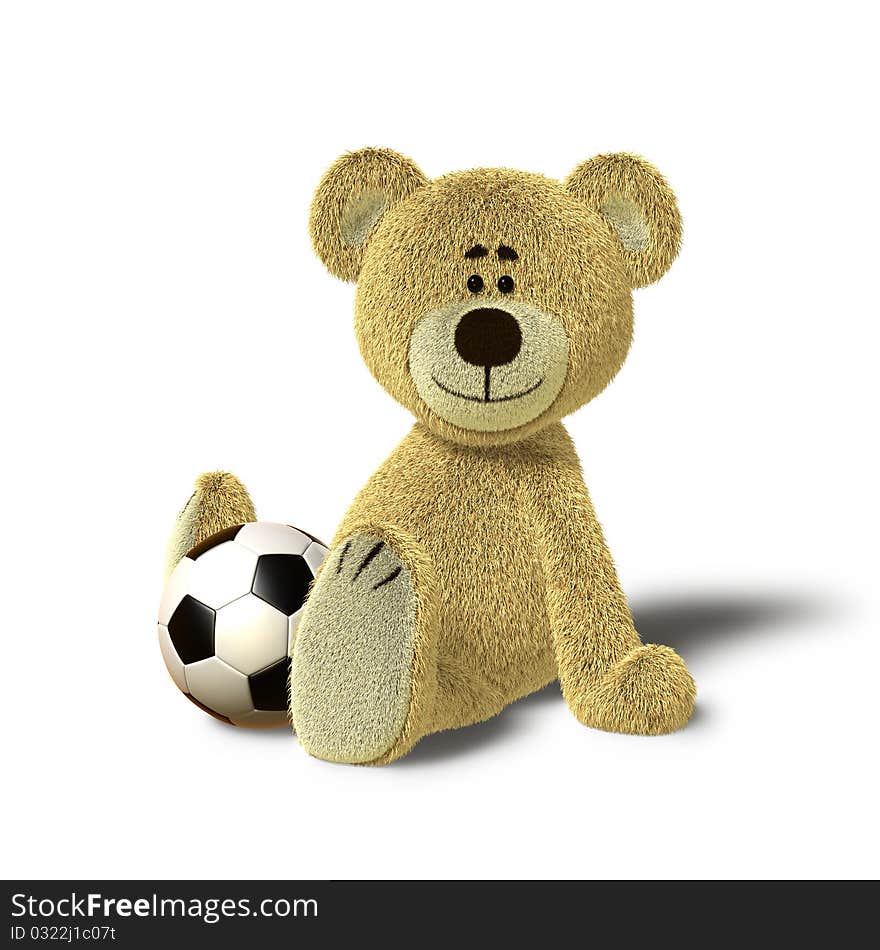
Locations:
(488, 337)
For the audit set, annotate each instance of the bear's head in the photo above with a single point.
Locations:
(493, 302)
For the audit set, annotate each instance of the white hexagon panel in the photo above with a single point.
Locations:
(250, 634)
(218, 686)
(172, 660)
(222, 574)
(314, 555)
(266, 537)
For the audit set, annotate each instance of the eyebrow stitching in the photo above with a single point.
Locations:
(476, 251)
(506, 253)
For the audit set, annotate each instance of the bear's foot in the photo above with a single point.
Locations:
(649, 692)
(364, 660)
(219, 501)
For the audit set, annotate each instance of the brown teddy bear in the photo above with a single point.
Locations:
(471, 570)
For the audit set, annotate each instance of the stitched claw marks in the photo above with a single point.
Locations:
(353, 656)
(377, 567)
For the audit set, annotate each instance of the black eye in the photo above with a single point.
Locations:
(475, 283)
(505, 284)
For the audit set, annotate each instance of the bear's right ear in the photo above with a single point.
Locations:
(357, 189)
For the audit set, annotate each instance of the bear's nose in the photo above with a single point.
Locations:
(488, 337)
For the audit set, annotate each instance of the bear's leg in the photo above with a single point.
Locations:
(463, 696)
(649, 692)
(364, 672)
(219, 500)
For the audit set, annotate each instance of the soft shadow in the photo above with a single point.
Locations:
(687, 621)
(684, 621)
(254, 735)
(457, 742)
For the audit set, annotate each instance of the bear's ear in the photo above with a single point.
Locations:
(640, 207)
(357, 189)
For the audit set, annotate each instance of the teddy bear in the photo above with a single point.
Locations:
(471, 570)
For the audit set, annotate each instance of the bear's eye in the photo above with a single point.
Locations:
(475, 283)
(505, 284)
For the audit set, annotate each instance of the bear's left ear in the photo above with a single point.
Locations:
(639, 205)
(357, 189)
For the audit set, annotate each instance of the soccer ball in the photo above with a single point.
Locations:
(228, 618)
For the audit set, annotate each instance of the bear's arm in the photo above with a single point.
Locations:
(590, 621)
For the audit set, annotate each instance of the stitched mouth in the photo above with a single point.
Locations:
(486, 397)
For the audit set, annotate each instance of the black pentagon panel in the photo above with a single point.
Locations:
(282, 580)
(269, 686)
(191, 629)
(227, 534)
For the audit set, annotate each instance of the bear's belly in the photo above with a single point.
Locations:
(493, 615)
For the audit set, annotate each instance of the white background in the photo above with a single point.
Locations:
(162, 314)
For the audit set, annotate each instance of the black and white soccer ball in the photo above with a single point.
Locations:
(228, 618)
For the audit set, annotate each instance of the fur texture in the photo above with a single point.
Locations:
(471, 570)
(219, 500)
(352, 692)
(351, 199)
(569, 267)
(516, 588)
